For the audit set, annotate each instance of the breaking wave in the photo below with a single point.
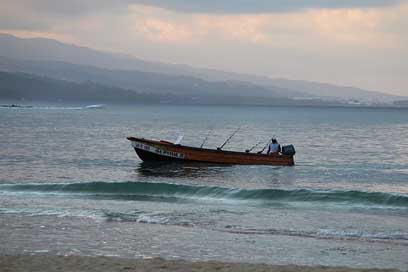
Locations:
(175, 192)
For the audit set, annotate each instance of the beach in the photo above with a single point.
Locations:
(81, 263)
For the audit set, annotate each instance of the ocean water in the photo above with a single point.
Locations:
(70, 184)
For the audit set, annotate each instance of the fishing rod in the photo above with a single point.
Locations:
(205, 139)
(249, 150)
(267, 144)
(229, 138)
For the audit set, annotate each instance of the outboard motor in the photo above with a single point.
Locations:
(288, 150)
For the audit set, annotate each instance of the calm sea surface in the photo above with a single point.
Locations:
(70, 184)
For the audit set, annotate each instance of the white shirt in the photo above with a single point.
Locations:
(273, 148)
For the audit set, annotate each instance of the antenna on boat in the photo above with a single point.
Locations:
(229, 138)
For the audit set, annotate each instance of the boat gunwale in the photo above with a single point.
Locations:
(200, 149)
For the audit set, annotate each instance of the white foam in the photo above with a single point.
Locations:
(96, 106)
(152, 219)
(363, 234)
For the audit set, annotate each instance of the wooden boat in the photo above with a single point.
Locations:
(162, 151)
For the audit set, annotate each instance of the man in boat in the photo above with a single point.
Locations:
(274, 148)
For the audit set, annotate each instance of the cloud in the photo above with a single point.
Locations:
(259, 6)
(66, 8)
(353, 46)
(162, 31)
(348, 28)
(359, 43)
(42, 14)
(165, 26)
(85, 7)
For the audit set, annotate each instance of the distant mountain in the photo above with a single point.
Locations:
(401, 103)
(146, 82)
(330, 91)
(22, 88)
(40, 49)
(30, 88)
(48, 49)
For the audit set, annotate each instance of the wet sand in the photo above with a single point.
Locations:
(81, 263)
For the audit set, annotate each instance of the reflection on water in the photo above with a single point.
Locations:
(181, 170)
(242, 176)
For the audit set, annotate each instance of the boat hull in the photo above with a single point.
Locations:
(152, 157)
(160, 151)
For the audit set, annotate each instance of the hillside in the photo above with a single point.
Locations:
(28, 88)
(148, 82)
(40, 49)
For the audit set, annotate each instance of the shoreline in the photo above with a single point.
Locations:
(46, 263)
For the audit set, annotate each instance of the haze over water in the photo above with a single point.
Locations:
(71, 184)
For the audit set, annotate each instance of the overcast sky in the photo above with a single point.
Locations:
(362, 43)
